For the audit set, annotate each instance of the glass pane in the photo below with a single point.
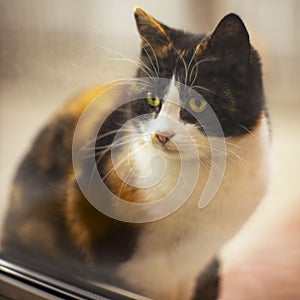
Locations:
(104, 143)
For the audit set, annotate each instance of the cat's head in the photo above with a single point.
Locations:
(196, 76)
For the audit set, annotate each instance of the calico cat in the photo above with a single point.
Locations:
(50, 219)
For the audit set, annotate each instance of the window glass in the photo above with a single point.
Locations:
(58, 57)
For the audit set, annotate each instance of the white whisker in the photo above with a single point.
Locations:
(184, 63)
(99, 137)
(157, 65)
(205, 89)
(144, 67)
(121, 161)
(196, 66)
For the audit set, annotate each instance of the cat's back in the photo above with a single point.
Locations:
(36, 218)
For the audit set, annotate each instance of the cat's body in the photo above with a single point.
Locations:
(50, 216)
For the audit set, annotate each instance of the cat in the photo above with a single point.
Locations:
(157, 253)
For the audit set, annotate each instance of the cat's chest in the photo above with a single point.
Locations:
(157, 175)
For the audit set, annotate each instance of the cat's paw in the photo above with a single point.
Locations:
(155, 278)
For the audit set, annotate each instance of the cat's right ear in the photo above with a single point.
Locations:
(153, 34)
(230, 38)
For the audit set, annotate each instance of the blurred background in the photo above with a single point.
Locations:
(50, 50)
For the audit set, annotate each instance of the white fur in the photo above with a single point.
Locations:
(171, 251)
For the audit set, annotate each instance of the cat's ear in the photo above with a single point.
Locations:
(230, 38)
(153, 34)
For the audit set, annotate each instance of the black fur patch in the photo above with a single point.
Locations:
(207, 285)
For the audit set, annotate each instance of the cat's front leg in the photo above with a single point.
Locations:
(156, 277)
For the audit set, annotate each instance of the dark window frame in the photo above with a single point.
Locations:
(17, 282)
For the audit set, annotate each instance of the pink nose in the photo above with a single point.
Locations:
(164, 136)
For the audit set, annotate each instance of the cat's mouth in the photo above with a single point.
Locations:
(165, 145)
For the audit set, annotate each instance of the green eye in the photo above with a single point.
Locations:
(153, 101)
(197, 105)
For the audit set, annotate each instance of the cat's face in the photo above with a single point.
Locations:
(207, 79)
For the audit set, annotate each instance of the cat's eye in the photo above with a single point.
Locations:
(152, 100)
(197, 105)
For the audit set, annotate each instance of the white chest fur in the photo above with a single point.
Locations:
(175, 248)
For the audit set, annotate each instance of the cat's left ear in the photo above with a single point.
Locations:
(153, 33)
(230, 38)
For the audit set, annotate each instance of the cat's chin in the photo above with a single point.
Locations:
(171, 153)
(167, 152)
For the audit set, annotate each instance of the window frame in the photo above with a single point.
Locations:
(17, 282)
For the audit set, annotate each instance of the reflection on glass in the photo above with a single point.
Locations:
(180, 122)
